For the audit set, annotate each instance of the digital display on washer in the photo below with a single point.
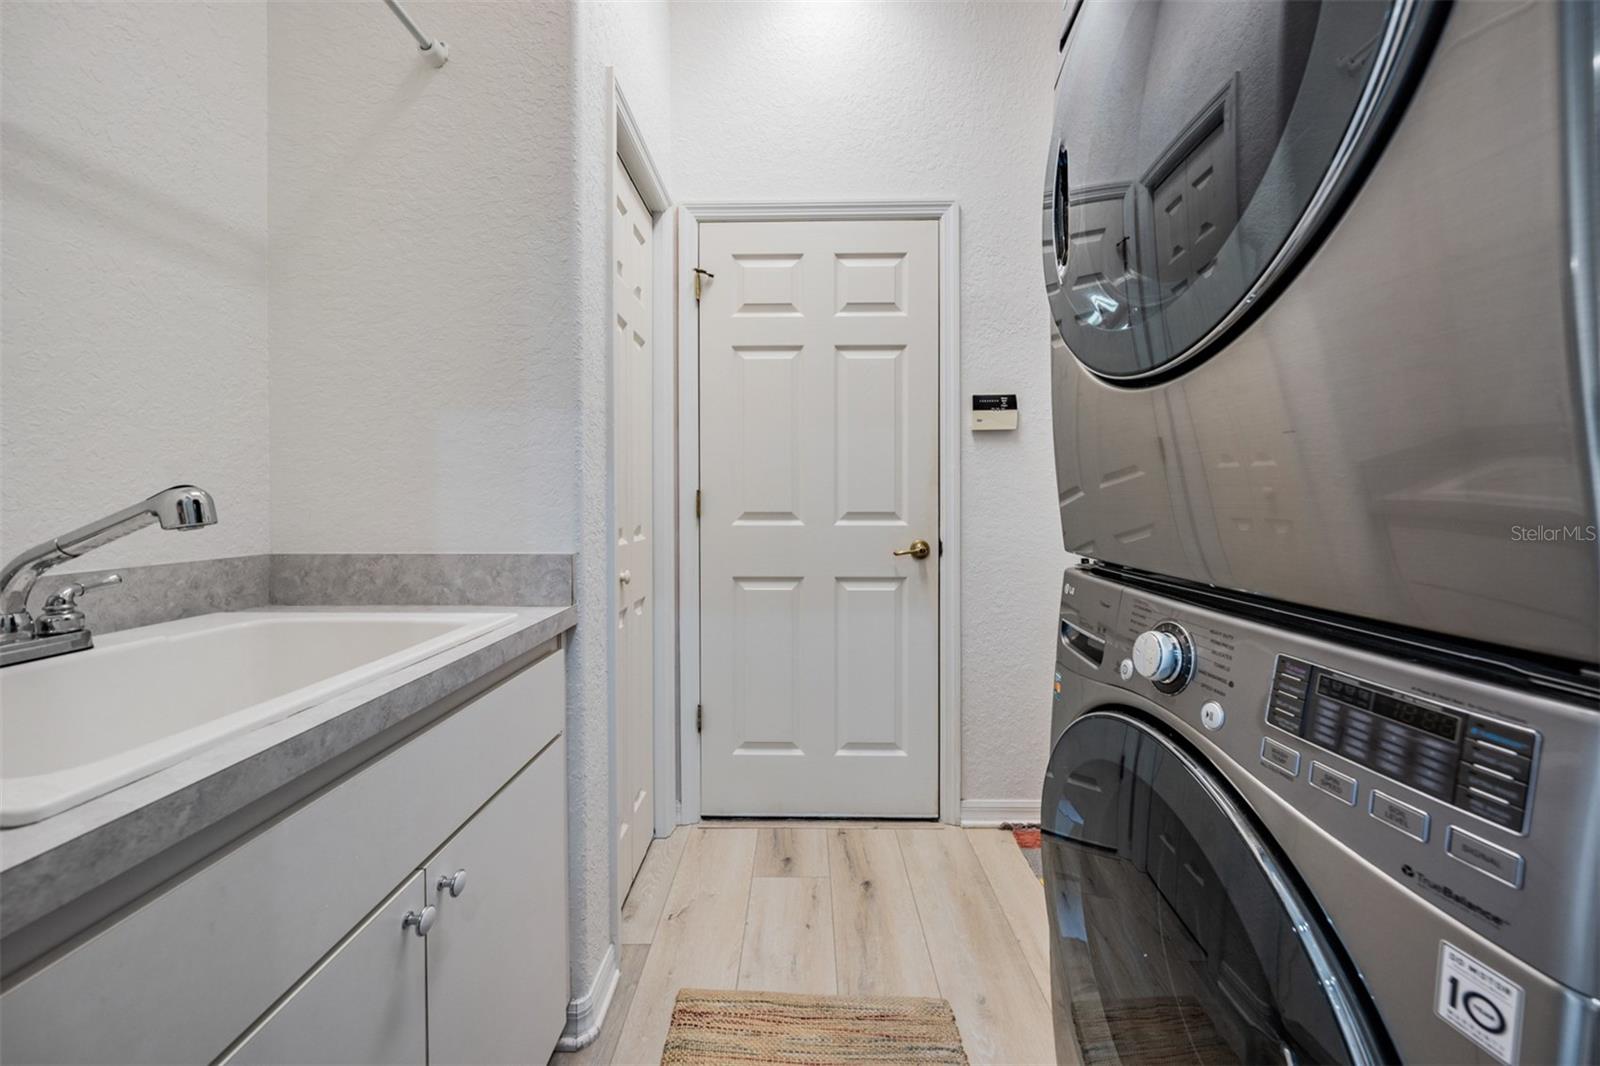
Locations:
(1428, 719)
(1479, 764)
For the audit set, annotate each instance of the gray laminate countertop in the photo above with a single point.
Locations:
(65, 857)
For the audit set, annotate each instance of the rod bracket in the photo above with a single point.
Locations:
(436, 51)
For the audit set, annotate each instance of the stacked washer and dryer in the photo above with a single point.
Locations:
(1325, 772)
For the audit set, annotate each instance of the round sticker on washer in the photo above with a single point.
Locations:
(1485, 1006)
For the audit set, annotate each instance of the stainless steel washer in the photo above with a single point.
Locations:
(1265, 846)
(1323, 276)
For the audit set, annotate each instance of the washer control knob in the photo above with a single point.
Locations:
(1125, 669)
(1157, 656)
(1212, 715)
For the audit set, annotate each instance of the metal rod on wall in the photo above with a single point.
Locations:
(437, 51)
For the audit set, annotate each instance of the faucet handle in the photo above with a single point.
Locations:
(67, 598)
(61, 614)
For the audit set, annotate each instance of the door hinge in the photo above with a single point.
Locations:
(698, 276)
(699, 718)
(697, 505)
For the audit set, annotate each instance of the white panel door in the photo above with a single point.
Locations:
(632, 353)
(819, 446)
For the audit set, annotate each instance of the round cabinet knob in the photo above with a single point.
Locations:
(1212, 715)
(422, 921)
(455, 883)
(625, 577)
(1157, 656)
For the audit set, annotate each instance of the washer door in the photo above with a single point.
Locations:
(1199, 149)
(1177, 935)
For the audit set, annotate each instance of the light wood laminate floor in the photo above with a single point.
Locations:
(872, 908)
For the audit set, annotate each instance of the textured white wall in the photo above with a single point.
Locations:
(790, 101)
(424, 391)
(632, 38)
(133, 222)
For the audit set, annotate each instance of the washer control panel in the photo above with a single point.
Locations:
(1484, 766)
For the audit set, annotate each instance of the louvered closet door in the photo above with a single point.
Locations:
(819, 458)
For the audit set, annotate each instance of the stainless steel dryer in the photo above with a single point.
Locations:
(1262, 846)
(1324, 277)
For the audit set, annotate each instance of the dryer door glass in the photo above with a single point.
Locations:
(1198, 147)
(1177, 936)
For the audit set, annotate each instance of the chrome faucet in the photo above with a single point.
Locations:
(62, 628)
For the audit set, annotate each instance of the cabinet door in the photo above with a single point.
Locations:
(497, 957)
(363, 1004)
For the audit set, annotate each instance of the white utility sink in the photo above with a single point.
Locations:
(76, 726)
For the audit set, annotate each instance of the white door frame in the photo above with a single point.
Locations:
(946, 213)
(627, 143)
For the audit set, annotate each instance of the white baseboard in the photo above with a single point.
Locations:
(587, 1013)
(987, 813)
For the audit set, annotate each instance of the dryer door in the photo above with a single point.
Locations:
(1177, 933)
(1198, 150)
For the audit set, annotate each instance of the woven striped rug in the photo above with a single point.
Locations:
(782, 1027)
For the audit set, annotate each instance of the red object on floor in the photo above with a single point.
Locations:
(1026, 838)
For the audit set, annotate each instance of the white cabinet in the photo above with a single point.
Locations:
(365, 1003)
(286, 946)
(494, 986)
(497, 956)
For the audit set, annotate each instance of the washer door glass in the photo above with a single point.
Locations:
(1176, 935)
(1197, 149)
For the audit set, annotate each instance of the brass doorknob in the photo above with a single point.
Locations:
(919, 550)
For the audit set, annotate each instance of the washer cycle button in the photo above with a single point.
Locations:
(1280, 757)
(1401, 816)
(1332, 782)
(1489, 859)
